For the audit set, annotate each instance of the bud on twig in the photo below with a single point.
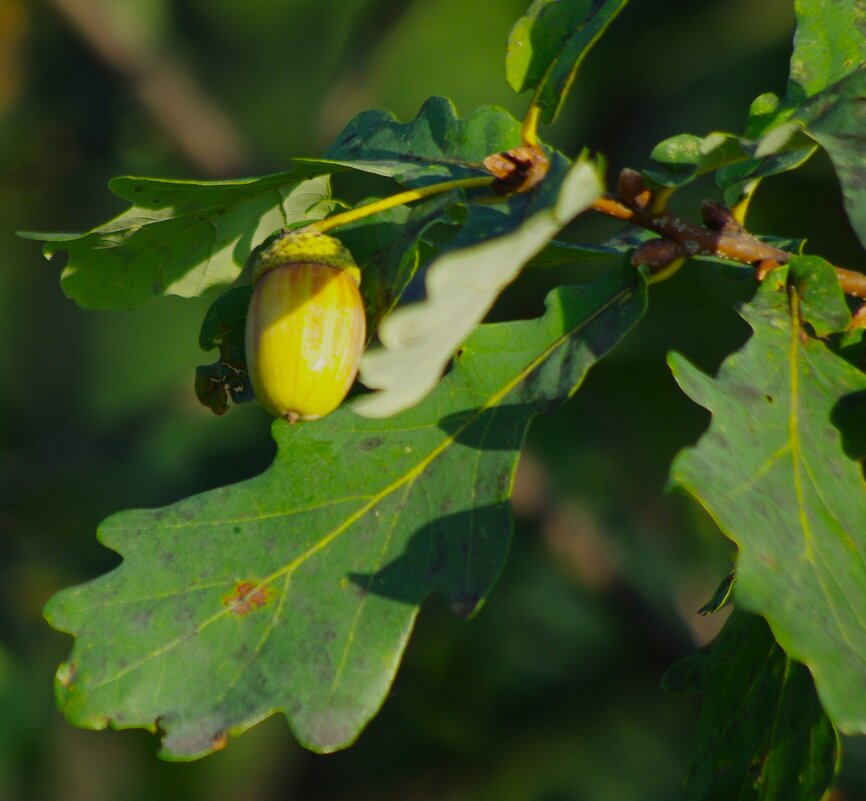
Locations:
(858, 319)
(719, 218)
(633, 190)
(657, 254)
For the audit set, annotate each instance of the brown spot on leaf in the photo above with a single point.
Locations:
(219, 741)
(66, 674)
(248, 596)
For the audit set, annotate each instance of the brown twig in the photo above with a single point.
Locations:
(852, 282)
(720, 236)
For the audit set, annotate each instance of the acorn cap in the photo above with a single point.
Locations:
(306, 247)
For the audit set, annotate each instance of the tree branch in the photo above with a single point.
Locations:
(721, 235)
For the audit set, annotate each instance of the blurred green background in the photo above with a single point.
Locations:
(551, 693)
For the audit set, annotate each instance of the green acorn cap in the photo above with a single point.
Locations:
(310, 247)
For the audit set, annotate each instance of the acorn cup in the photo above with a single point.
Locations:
(305, 327)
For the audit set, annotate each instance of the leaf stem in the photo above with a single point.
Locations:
(666, 272)
(399, 199)
(741, 207)
(529, 129)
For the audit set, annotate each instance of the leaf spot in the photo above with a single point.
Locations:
(248, 596)
(66, 674)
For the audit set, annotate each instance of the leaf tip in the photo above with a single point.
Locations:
(691, 380)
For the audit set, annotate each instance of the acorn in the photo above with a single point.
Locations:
(305, 326)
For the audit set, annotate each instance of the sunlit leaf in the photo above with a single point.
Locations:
(774, 472)
(296, 591)
(182, 237)
(419, 339)
(682, 158)
(762, 732)
(548, 44)
(436, 146)
(829, 43)
(735, 160)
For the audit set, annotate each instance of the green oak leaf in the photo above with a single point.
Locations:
(223, 328)
(387, 248)
(765, 113)
(836, 119)
(829, 43)
(182, 237)
(739, 181)
(435, 146)
(296, 591)
(558, 253)
(775, 146)
(682, 158)
(548, 44)
(419, 339)
(485, 220)
(737, 161)
(773, 472)
(822, 302)
(762, 732)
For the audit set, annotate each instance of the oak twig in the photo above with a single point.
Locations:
(721, 235)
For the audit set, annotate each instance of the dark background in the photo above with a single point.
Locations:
(551, 693)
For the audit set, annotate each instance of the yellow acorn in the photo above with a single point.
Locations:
(305, 326)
